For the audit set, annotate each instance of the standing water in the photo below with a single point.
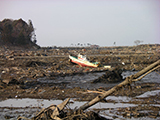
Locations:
(12, 108)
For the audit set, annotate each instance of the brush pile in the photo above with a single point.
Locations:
(58, 112)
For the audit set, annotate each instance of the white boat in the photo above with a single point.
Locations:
(82, 61)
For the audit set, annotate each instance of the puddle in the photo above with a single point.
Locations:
(128, 99)
(119, 98)
(152, 77)
(149, 94)
(29, 107)
(84, 80)
(27, 102)
(112, 115)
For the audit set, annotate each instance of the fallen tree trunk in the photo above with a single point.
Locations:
(127, 81)
(146, 69)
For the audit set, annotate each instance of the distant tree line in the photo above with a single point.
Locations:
(16, 32)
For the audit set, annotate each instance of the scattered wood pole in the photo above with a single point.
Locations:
(146, 69)
(127, 81)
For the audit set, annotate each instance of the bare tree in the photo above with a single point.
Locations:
(137, 42)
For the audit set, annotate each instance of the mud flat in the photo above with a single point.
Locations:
(46, 74)
(143, 105)
(141, 101)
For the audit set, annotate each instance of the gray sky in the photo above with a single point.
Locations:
(101, 22)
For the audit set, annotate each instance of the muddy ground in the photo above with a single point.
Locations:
(21, 72)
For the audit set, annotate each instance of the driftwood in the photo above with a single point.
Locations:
(89, 91)
(127, 81)
(52, 112)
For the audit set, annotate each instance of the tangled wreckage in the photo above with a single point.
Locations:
(58, 112)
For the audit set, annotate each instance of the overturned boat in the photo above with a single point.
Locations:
(82, 61)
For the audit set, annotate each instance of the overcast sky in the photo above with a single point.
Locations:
(101, 22)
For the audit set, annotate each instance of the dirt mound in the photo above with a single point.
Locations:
(110, 77)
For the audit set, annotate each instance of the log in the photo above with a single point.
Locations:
(146, 69)
(146, 74)
(127, 81)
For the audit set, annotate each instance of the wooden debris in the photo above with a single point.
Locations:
(89, 91)
(127, 81)
(52, 112)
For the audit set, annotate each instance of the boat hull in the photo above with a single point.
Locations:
(82, 63)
